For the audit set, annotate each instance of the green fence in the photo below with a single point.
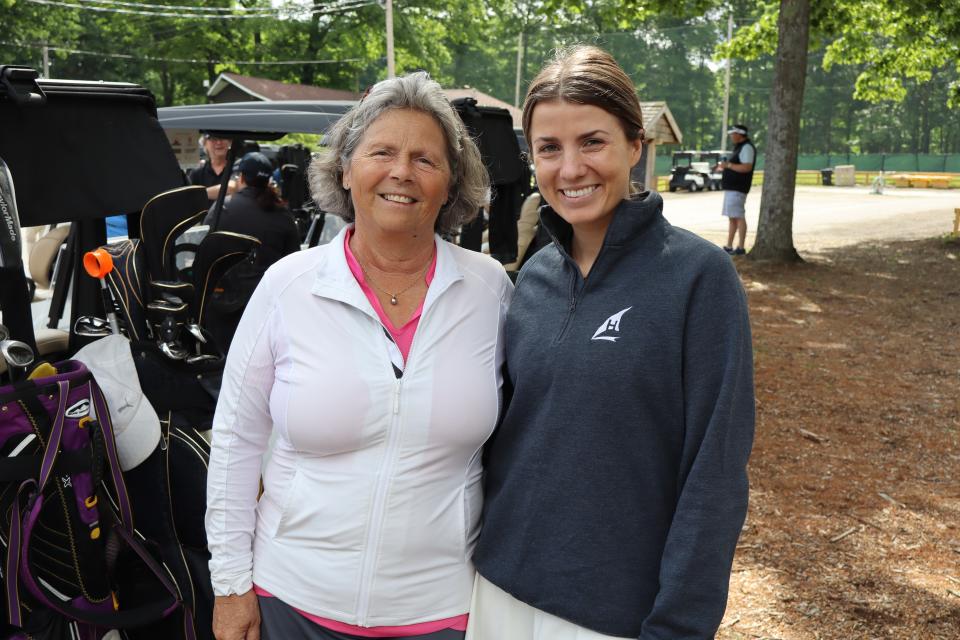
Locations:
(907, 162)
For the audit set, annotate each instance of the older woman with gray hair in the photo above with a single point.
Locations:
(375, 362)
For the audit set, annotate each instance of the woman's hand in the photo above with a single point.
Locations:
(236, 617)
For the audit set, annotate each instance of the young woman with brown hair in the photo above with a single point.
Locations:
(616, 484)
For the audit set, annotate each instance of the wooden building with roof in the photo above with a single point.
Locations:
(233, 87)
(659, 128)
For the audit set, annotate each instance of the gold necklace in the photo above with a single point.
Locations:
(394, 296)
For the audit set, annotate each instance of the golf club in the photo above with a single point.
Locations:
(205, 357)
(173, 350)
(18, 356)
(10, 256)
(197, 332)
(14, 295)
(91, 327)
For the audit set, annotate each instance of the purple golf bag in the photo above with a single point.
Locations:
(66, 522)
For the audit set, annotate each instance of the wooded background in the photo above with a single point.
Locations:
(879, 79)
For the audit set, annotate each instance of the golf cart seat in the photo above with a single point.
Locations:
(43, 255)
(527, 226)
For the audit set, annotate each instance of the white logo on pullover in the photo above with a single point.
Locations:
(610, 324)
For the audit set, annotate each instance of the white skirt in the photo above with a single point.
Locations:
(496, 615)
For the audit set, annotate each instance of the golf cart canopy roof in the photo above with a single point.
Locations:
(81, 150)
(256, 120)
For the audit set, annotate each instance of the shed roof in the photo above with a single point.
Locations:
(273, 90)
(268, 90)
(658, 123)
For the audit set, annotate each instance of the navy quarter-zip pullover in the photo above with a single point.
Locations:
(616, 484)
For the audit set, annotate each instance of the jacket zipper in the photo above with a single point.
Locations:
(572, 305)
(574, 298)
(372, 549)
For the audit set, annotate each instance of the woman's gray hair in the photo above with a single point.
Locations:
(468, 175)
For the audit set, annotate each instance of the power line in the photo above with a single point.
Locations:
(290, 8)
(347, 6)
(159, 14)
(155, 7)
(129, 56)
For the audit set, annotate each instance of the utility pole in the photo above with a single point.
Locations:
(726, 87)
(516, 90)
(46, 61)
(391, 66)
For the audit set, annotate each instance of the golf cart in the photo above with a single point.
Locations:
(248, 123)
(79, 152)
(707, 162)
(260, 121)
(685, 175)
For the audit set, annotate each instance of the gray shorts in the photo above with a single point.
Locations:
(280, 621)
(733, 204)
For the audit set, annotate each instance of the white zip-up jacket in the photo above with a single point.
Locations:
(372, 492)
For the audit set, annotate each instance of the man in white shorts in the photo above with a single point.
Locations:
(736, 181)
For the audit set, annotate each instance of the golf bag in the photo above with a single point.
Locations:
(492, 128)
(66, 515)
(157, 301)
(294, 189)
(163, 309)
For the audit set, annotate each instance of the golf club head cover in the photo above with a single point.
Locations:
(10, 239)
(164, 218)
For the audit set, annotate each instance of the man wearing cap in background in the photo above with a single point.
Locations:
(209, 173)
(254, 210)
(736, 181)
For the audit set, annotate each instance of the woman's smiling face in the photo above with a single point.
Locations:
(582, 160)
(399, 175)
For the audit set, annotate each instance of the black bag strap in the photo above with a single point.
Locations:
(20, 468)
(35, 488)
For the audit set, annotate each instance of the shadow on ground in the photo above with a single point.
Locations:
(854, 524)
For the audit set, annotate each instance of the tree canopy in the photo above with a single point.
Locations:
(881, 76)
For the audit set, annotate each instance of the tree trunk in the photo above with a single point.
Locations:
(833, 98)
(848, 132)
(167, 85)
(775, 230)
(211, 68)
(314, 39)
(925, 119)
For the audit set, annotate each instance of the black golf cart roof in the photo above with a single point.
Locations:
(81, 150)
(77, 151)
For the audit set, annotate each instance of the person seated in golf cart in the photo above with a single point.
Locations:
(209, 172)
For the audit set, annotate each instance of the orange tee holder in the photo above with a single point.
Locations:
(97, 263)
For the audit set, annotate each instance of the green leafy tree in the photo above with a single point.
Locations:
(892, 41)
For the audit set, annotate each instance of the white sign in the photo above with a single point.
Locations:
(186, 146)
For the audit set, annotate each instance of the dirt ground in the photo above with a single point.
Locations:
(854, 523)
